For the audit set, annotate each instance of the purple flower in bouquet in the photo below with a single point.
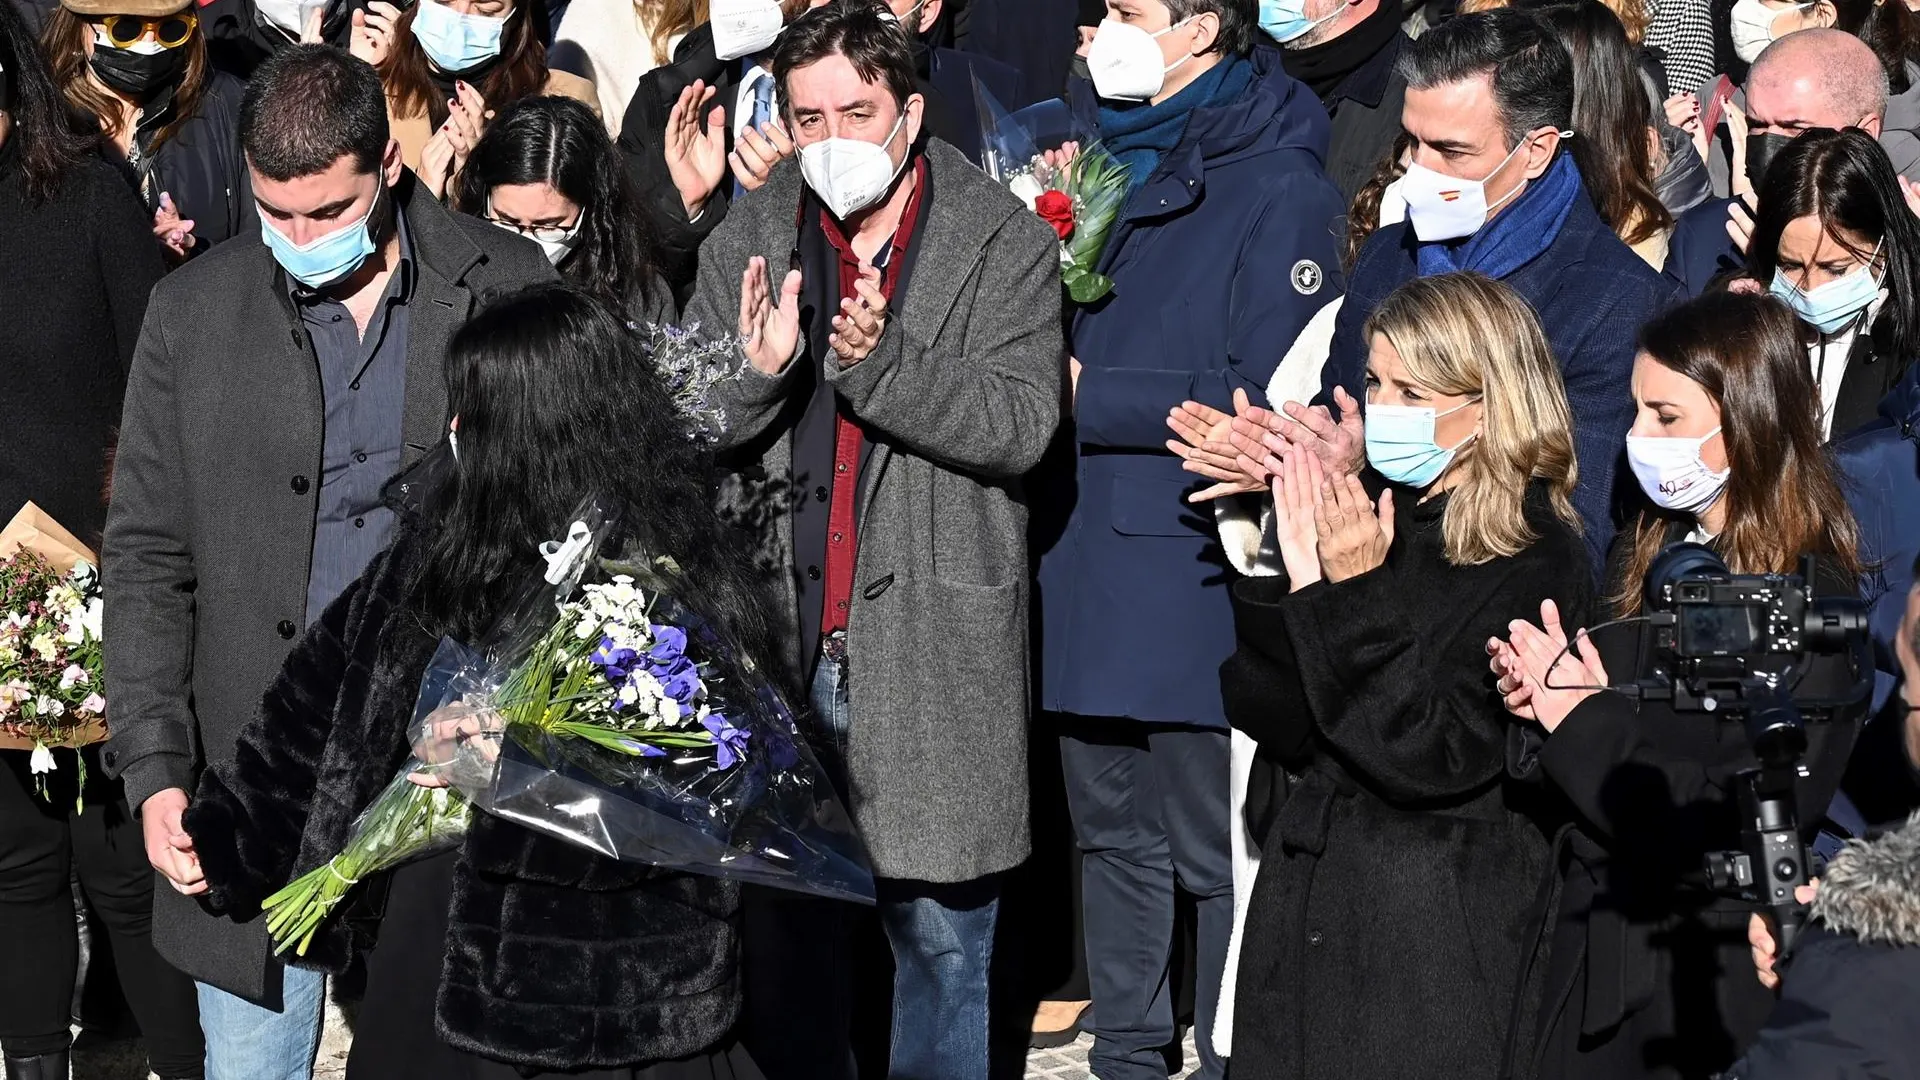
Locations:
(615, 661)
(684, 686)
(669, 646)
(729, 742)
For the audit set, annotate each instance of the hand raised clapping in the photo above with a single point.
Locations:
(862, 319)
(1353, 539)
(1540, 678)
(696, 152)
(769, 328)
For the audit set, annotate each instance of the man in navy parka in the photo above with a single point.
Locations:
(1226, 247)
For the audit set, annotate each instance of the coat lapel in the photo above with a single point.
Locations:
(441, 302)
(952, 244)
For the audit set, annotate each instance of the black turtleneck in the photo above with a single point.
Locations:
(1325, 66)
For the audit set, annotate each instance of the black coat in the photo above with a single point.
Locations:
(202, 167)
(238, 40)
(1847, 1008)
(1399, 857)
(555, 957)
(1648, 974)
(74, 274)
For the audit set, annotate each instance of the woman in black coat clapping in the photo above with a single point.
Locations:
(1649, 973)
(1399, 860)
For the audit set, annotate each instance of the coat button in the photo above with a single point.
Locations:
(819, 494)
(813, 573)
(285, 629)
(1314, 938)
(110, 758)
(299, 485)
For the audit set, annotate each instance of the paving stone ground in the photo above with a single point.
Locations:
(121, 1059)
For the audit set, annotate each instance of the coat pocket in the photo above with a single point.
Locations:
(1154, 506)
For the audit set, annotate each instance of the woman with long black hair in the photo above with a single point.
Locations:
(637, 967)
(1647, 972)
(138, 69)
(547, 170)
(1835, 241)
(76, 263)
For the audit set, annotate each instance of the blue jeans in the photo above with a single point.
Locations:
(941, 935)
(250, 1042)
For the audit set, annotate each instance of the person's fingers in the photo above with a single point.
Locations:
(1385, 512)
(1589, 654)
(778, 138)
(1315, 421)
(748, 330)
(1217, 491)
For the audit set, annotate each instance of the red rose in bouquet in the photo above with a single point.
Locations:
(1056, 209)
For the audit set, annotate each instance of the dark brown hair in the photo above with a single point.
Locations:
(1783, 497)
(1612, 120)
(877, 46)
(1363, 217)
(520, 71)
(64, 41)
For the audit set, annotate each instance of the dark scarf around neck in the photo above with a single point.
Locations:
(1139, 135)
(1325, 66)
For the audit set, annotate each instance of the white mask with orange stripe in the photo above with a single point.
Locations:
(1442, 207)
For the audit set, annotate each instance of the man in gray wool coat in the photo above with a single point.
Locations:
(906, 366)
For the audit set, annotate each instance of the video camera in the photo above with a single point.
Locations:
(1741, 645)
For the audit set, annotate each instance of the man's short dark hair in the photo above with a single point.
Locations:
(1532, 72)
(863, 31)
(309, 104)
(1239, 19)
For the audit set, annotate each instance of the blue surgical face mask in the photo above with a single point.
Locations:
(327, 260)
(1400, 443)
(1829, 307)
(1286, 20)
(453, 41)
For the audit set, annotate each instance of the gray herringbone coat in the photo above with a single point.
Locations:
(210, 532)
(960, 399)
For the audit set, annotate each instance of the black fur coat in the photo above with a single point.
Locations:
(556, 957)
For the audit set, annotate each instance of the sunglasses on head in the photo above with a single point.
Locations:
(124, 31)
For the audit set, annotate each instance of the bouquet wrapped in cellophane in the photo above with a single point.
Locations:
(1080, 195)
(51, 692)
(607, 710)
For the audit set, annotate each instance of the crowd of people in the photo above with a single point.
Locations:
(1209, 658)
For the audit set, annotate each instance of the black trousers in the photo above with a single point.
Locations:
(43, 843)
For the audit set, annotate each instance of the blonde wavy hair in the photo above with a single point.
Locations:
(1464, 333)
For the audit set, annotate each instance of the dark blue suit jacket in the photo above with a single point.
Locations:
(1881, 464)
(1218, 262)
(1591, 293)
(952, 73)
(1700, 249)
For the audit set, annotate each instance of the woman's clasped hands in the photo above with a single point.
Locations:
(1538, 675)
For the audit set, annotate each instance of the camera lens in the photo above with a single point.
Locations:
(1832, 621)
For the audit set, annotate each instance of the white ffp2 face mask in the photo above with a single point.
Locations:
(1443, 207)
(744, 27)
(850, 175)
(1672, 472)
(1751, 24)
(1125, 61)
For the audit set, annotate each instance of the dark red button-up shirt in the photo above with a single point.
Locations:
(848, 439)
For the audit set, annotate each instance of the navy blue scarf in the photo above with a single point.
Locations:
(1139, 135)
(1515, 237)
